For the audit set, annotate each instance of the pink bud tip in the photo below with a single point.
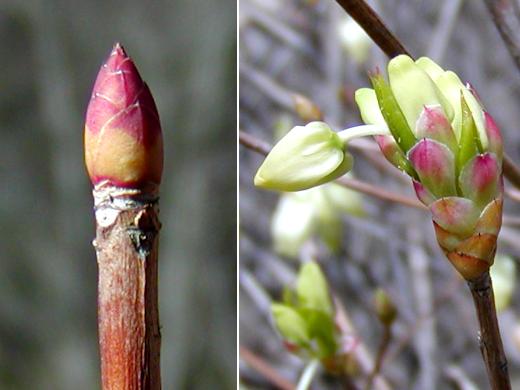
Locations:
(123, 140)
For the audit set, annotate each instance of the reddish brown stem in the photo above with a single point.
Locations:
(489, 335)
(128, 318)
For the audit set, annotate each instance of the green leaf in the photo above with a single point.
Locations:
(312, 289)
(290, 324)
(322, 331)
(392, 113)
(478, 117)
(468, 135)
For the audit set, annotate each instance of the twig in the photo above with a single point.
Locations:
(254, 143)
(265, 369)
(412, 329)
(459, 377)
(262, 147)
(385, 342)
(380, 193)
(489, 335)
(376, 29)
(511, 171)
(504, 17)
(446, 22)
(360, 351)
(127, 248)
(127, 224)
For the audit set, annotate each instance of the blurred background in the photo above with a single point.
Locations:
(51, 52)
(312, 48)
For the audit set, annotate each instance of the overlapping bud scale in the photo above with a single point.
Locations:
(452, 149)
(123, 140)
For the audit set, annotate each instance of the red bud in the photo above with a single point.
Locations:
(123, 140)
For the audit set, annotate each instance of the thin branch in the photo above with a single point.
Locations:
(376, 29)
(360, 351)
(446, 22)
(253, 143)
(511, 171)
(265, 369)
(385, 342)
(262, 147)
(507, 24)
(380, 192)
(489, 335)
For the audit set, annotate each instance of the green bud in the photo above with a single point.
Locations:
(306, 157)
(384, 306)
(306, 318)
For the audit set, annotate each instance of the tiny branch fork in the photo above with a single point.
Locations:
(366, 17)
(127, 247)
(489, 337)
(264, 148)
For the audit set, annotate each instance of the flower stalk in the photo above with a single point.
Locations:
(123, 154)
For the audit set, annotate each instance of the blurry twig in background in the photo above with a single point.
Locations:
(446, 23)
(507, 21)
(363, 357)
(265, 369)
(383, 347)
(457, 375)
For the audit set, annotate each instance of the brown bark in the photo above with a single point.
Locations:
(489, 335)
(127, 247)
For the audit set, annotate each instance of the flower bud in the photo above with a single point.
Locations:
(385, 307)
(306, 108)
(123, 140)
(306, 157)
(450, 147)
